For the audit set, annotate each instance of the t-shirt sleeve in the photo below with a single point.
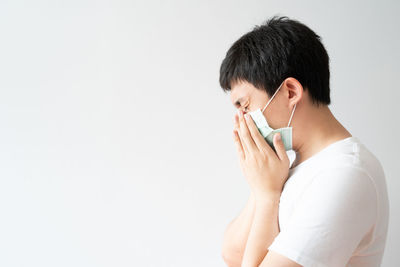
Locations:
(329, 221)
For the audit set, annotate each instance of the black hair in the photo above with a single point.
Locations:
(278, 49)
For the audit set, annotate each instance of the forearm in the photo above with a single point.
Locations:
(236, 234)
(263, 230)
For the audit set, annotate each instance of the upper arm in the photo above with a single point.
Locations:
(337, 210)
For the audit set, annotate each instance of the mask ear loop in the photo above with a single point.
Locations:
(292, 114)
(272, 97)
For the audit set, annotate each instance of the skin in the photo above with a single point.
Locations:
(247, 238)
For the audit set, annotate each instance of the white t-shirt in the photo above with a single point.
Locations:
(334, 208)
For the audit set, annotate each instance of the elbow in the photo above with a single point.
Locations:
(232, 258)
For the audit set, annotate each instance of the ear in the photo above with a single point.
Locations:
(293, 90)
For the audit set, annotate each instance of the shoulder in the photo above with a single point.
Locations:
(346, 180)
(338, 192)
(334, 213)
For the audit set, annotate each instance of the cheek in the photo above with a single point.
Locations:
(279, 120)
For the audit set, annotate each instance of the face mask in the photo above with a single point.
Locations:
(267, 132)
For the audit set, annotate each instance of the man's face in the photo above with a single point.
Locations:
(248, 98)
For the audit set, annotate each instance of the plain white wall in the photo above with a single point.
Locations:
(116, 145)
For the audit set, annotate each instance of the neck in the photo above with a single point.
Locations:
(318, 129)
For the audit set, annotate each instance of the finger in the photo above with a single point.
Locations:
(279, 147)
(257, 137)
(245, 134)
(237, 127)
(236, 121)
(238, 144)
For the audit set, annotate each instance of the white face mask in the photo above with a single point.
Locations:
(267, 132)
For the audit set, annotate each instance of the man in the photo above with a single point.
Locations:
(328, 207)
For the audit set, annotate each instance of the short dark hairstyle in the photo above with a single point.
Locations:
(278, 49)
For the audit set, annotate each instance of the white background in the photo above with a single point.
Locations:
(116, 140)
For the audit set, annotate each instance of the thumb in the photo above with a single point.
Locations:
(279, 147)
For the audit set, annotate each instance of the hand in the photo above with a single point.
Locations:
(265, 170)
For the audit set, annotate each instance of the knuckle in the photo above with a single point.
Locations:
(263, 155)
(265, 151)
(255, 157)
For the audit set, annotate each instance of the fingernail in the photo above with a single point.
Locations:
(278, 136)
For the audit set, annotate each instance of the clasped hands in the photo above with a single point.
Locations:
(265, 170)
